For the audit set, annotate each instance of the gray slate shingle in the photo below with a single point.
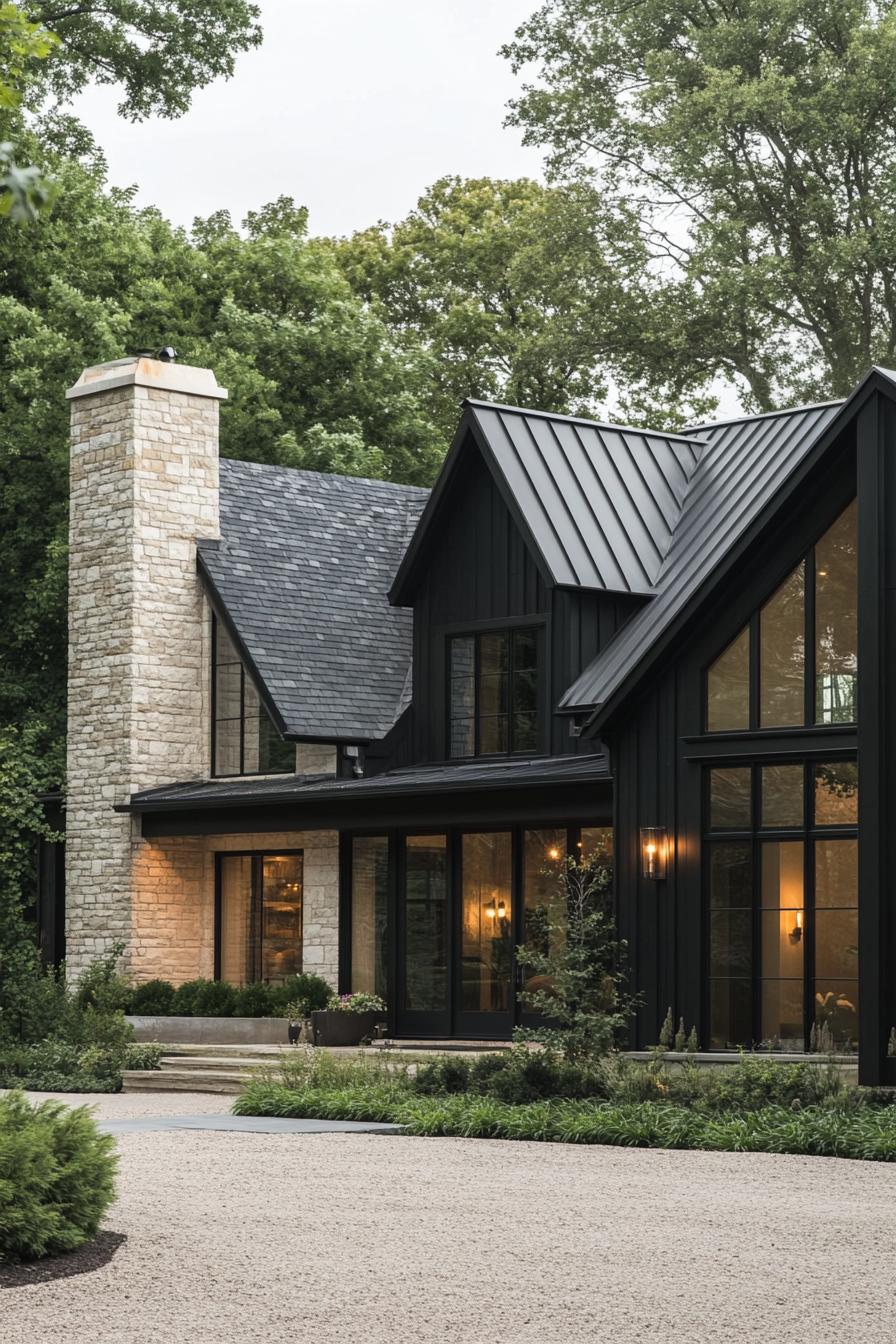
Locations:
(303, 569)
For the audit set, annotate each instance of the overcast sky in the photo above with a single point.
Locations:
(351, 107)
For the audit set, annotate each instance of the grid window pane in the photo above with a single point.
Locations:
(487, 922)
(492, 695)
(730, 806)
(275, 756)
(836, 635)
(837, 944)
(493, 654)
(782, 1014)
(227, 747)
(728, 687)
(463, 737)
(370, 895)
(837, 1013)
(782, 795)
(782, 655)
(493, 735)
(730, 1013)
(731, 942)
(837, 794)
(836, 874)
(525, 650)
(525, 732)
(426, 923)
(731, 875)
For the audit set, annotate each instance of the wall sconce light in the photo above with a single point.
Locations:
(796, 933)
(496, 909)
(654, 849)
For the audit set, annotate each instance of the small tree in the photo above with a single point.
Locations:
(576, 968)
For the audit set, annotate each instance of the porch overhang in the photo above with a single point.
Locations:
(540, 790)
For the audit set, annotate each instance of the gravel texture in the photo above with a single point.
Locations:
(363, 1239)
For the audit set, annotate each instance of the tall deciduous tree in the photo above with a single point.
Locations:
(755, 142)
(521, 293)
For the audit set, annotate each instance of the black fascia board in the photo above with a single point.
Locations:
(599, 715)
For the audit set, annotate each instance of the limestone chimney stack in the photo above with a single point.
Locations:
(144, 488)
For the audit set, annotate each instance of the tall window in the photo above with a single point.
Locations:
(493, 693)
(796, 662)
(259, 917)
(370, 906)
(782, 876)
(244, 739)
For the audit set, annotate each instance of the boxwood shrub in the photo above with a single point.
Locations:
(152, 999)
(217, 998)
(57, 1178)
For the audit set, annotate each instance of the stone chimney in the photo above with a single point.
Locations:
(144, 488)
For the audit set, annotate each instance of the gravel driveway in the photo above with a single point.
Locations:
(364, 1239)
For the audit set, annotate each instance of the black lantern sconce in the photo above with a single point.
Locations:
(654, 852)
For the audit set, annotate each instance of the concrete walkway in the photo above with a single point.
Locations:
(341, 1238)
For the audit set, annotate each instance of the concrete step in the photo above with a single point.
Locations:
(233, 1064)
(183, 1080)
(226, 1052)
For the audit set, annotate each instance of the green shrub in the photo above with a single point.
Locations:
(185, 997)
(101, 987)
(214, 998)
(154, 998)
(258, 1000)
(143, 1055)
(57, 1175)
(446, 1075)
(59, 1066)
(312, 992)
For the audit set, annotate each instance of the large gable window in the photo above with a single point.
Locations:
(244, 739)
(493, 692)
(796, 662)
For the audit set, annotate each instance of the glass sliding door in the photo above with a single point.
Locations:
(424, 938)
(259, 917)
(485, 996)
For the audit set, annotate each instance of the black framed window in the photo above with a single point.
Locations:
(795, 663)
(493, 692)
(244, 739)
(258, 916)
(782, 904)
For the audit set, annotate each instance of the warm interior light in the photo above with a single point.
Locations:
(490, 910)
(796, 932)
(553, 852)
(502, 910)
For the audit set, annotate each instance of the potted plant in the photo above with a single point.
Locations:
(298, 1025)
(348, 1019)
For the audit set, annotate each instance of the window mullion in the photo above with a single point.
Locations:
(809, 659)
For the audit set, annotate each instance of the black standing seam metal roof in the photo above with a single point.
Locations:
(746, 462)
(302, 570)
(598, 503)
(471, 776)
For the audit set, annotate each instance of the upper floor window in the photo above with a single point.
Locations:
(493, 693)
(796, 661)
(244, 739)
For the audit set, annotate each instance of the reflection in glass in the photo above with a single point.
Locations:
(836, 874)
(730, 805)
(281, 917)
(730, 1013)
(261, 917)
(487, 923)
(544, 857)
(596, 842)
(731, 941)
(783, 1013)
(731, 875)
(837, 793)
(462, 696)
(837, 1013)
(837, 942)
(728, 687)
(370, 878)
(836, 605)
(426, 923)
(782, 942)
(782, 655)
(782, 795)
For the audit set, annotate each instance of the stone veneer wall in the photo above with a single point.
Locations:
(144, 487)
(174, 902)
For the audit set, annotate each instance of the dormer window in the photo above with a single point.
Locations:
(244, 738)
(493, 693)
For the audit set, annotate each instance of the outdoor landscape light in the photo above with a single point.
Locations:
(653, 852)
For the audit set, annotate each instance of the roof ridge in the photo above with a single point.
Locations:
(324, 475)
(581, 420)
(690, 430)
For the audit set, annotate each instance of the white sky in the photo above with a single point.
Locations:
(351, 107)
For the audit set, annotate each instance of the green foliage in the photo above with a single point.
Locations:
(257, 1000)
(359, 1002)
(667, 1031)
(154, 998)
(57, 1178)
(204, 998)
(443, 1076)
(159, 51)
(308, 992)
(752, 146)
(143, 1055)
(101, 987)
(56, 1065)
(516, 1076)
(185, 997)
(578, 965)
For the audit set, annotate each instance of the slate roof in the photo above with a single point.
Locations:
(467, 777)
(597, 503)
(302, 572)
(745, 463)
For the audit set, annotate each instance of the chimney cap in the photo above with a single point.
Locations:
(147, 371)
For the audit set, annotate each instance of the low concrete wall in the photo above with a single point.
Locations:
(211, 1030)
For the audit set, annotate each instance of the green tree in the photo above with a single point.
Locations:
(520, 293)
(22, 45)
(158, 51)
(753, 140)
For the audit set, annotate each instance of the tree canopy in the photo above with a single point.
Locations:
(753, 141)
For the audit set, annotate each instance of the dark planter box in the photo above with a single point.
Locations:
(329, 1027)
